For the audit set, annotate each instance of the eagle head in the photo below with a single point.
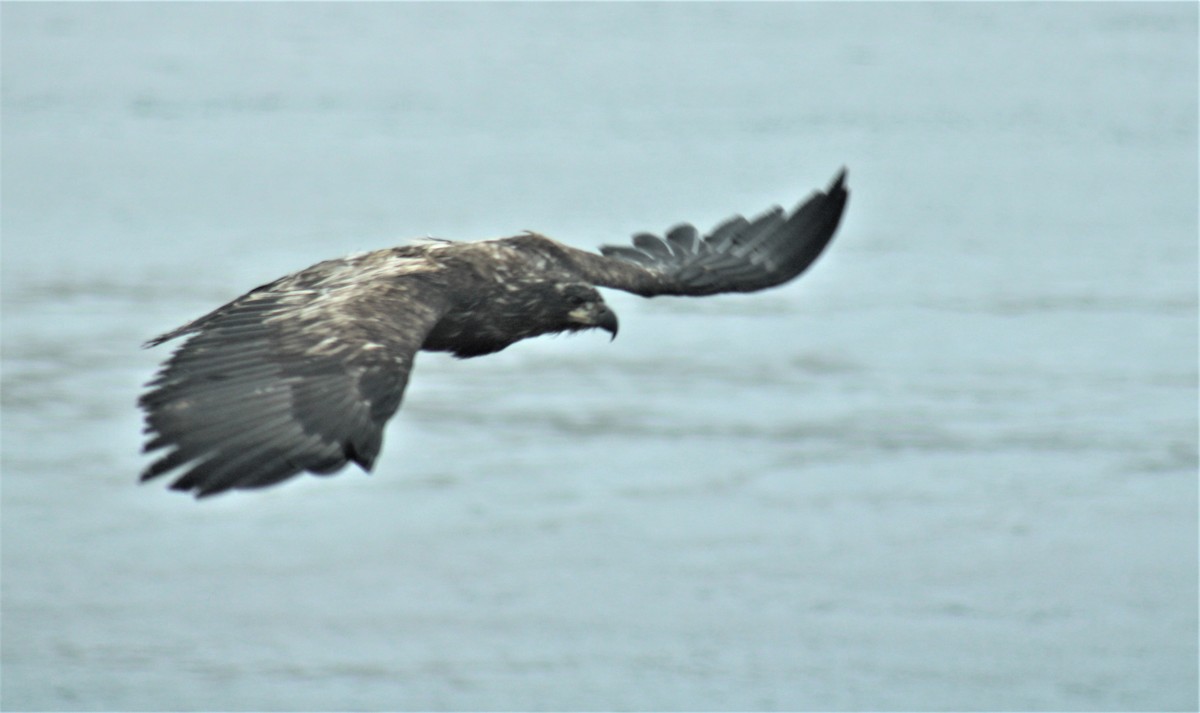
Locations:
(582, 307)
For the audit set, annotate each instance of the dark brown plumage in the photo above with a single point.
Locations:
(301, 374)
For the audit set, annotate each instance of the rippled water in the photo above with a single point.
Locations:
(954, 467)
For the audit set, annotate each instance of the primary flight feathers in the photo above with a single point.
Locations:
(301, 374)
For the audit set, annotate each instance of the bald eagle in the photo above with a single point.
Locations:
(302, 373)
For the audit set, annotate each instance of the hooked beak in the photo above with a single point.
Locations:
(596, 315)
(607, 320)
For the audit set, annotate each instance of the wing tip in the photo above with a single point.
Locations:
(838, 184)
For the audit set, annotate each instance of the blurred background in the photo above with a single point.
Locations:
(952, 467)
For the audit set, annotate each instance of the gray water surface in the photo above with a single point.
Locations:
(953, 467)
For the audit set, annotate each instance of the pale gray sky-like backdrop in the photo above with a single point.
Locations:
(952, 467)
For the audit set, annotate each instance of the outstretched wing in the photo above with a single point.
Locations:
(739, 255)
(299, 375)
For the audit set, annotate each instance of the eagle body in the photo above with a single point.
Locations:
(301, 374)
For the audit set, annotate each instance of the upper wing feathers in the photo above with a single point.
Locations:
(628, 254)
(682, 239)
(739, 255)
(653, 246)
(298, 375)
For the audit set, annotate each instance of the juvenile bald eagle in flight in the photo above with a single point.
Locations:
(301, 374)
